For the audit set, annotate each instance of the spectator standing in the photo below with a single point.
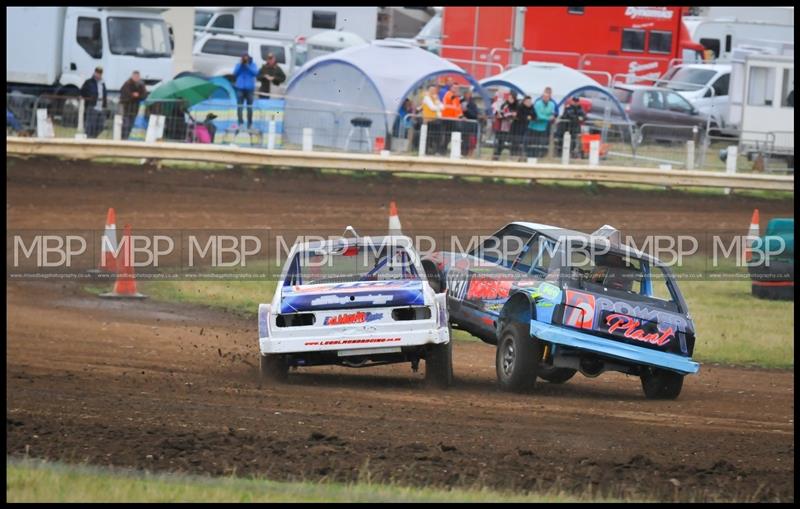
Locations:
(431, 115)
(545, 109)
(93, 104)
(132, 92)
(470, 132)
(526, 114)
(503, 120)
(270, 74)
(452, 113)
(445, 88)
(403, 122)
(573, 117)
(245, 74)
(519, 127)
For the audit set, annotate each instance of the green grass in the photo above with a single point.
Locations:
(39, 481)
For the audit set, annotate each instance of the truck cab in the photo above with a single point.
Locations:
(58, 48)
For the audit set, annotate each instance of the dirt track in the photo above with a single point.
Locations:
(171, 387)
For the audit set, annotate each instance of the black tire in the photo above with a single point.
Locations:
(661, 383)
(556, 375)
(439, 365)
(273, 369)
(517, 358)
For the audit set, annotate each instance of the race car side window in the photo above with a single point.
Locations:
(504, 246)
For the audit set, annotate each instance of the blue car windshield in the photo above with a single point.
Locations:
(352, 263)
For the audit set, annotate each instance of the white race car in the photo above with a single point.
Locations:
(355, 302)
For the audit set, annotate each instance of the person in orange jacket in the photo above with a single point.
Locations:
(452, 112)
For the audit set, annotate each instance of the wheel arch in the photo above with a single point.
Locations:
(518, 308)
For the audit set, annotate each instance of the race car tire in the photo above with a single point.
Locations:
(517, 358)
(439, 365)
(556, 375)
(273, 368)
(660, 383)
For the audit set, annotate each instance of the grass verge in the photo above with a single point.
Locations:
(40, 481)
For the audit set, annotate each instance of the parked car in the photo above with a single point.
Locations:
(557, 301)
(658, 114)
(217, 54)
(705, 86)
(355, 302)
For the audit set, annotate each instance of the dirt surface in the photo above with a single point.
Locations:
(174, 387)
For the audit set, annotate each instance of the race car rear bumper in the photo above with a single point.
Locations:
(356, 340)
(615, 349)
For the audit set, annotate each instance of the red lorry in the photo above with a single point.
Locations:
(632, 41)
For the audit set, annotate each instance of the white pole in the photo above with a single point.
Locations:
(690, 155)
(308, 140)
(160, 121)
(81, 133)
(117, 127)
(41, 123)
(152, 129)
(455, 145)
(271, 135)
(594, 153)
(565, 148)
(423, 139)
(730, 163)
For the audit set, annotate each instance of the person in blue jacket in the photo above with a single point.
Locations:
(245, 74)
(545, 109)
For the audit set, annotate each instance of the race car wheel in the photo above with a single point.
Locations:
(556, 375)
(660, 383)
(274, 368)
(439, 365)
(517, 359)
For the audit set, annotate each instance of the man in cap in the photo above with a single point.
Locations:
(90, 91)
(270, 74)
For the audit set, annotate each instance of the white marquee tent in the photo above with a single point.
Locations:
(368, 80)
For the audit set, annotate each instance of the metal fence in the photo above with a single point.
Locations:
(350, 128)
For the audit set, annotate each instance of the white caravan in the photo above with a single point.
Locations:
(287, 23)
(725, 28)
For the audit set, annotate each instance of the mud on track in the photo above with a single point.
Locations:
(173, 387)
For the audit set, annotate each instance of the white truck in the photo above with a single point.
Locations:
(55, 49)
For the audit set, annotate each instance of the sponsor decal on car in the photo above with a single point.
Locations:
(641, 312)
(579, 310)
(348, 318)
(481, 288)
(631, 328)
(360, 341)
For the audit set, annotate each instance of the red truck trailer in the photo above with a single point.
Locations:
(632, 41)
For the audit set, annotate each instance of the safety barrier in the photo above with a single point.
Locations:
(90, 149)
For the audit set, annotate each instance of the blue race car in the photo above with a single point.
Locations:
(557, 301)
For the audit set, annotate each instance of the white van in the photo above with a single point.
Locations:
(218, 54)
(706, 87)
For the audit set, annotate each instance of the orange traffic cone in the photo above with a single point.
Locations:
(752, 235)
(108, 248)
(125, 285)
(394, 220)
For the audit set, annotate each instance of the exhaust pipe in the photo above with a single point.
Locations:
(591, 367)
